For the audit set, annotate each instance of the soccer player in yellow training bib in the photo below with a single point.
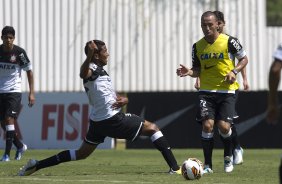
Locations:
(237, 149)
(213, 61)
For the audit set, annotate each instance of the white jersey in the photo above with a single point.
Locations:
(11, 65)
(278, 53)
(100, 93)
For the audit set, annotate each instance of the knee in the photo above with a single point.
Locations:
(154, 127)
(208, 128)
(224, 129)
(9, 121)
(149, 128)
(225, 132)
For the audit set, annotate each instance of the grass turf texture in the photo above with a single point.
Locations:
(143, 166)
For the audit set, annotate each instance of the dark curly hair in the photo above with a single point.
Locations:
(219, 15)
(99, 44)
(8, 30)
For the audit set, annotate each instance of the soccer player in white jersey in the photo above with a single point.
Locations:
(13, 60)
(105, 118)
(273, 82)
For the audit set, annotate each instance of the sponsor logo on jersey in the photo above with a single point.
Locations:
(23, 59)
(236, 44)
(206, 56)
(13, 58)
(208, 67)
(7, 67)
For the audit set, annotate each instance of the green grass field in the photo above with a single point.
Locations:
(143, 166)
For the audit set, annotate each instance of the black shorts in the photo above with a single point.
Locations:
(236, 116)
(216, 106)
(121, 126)
(10, 105)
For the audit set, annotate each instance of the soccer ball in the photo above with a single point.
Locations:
(192, 168)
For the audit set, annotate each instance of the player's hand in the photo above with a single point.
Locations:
(120, 101)
(196, 86)
(182, 71)
(197, 83)
(31, 99)
(91, 48)
(273, 112)
(246, 85)
(230, 77)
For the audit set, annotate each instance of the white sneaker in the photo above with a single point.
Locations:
(29, 168)
(5, 158)
(238, 156)
(207, 170)
(20, 152)
(228, 164)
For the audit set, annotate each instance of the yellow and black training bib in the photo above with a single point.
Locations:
(216, 60)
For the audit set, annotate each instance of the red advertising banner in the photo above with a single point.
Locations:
(56, 121)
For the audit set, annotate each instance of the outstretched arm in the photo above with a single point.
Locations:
(183, 71)
(273, 82)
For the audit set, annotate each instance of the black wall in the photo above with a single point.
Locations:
(181, 129)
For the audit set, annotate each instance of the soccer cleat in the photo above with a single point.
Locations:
(171, 171)
(228, 164)
(207, 170)
(5, 158)
(238, 156)
(20, 152)
(29, 168)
